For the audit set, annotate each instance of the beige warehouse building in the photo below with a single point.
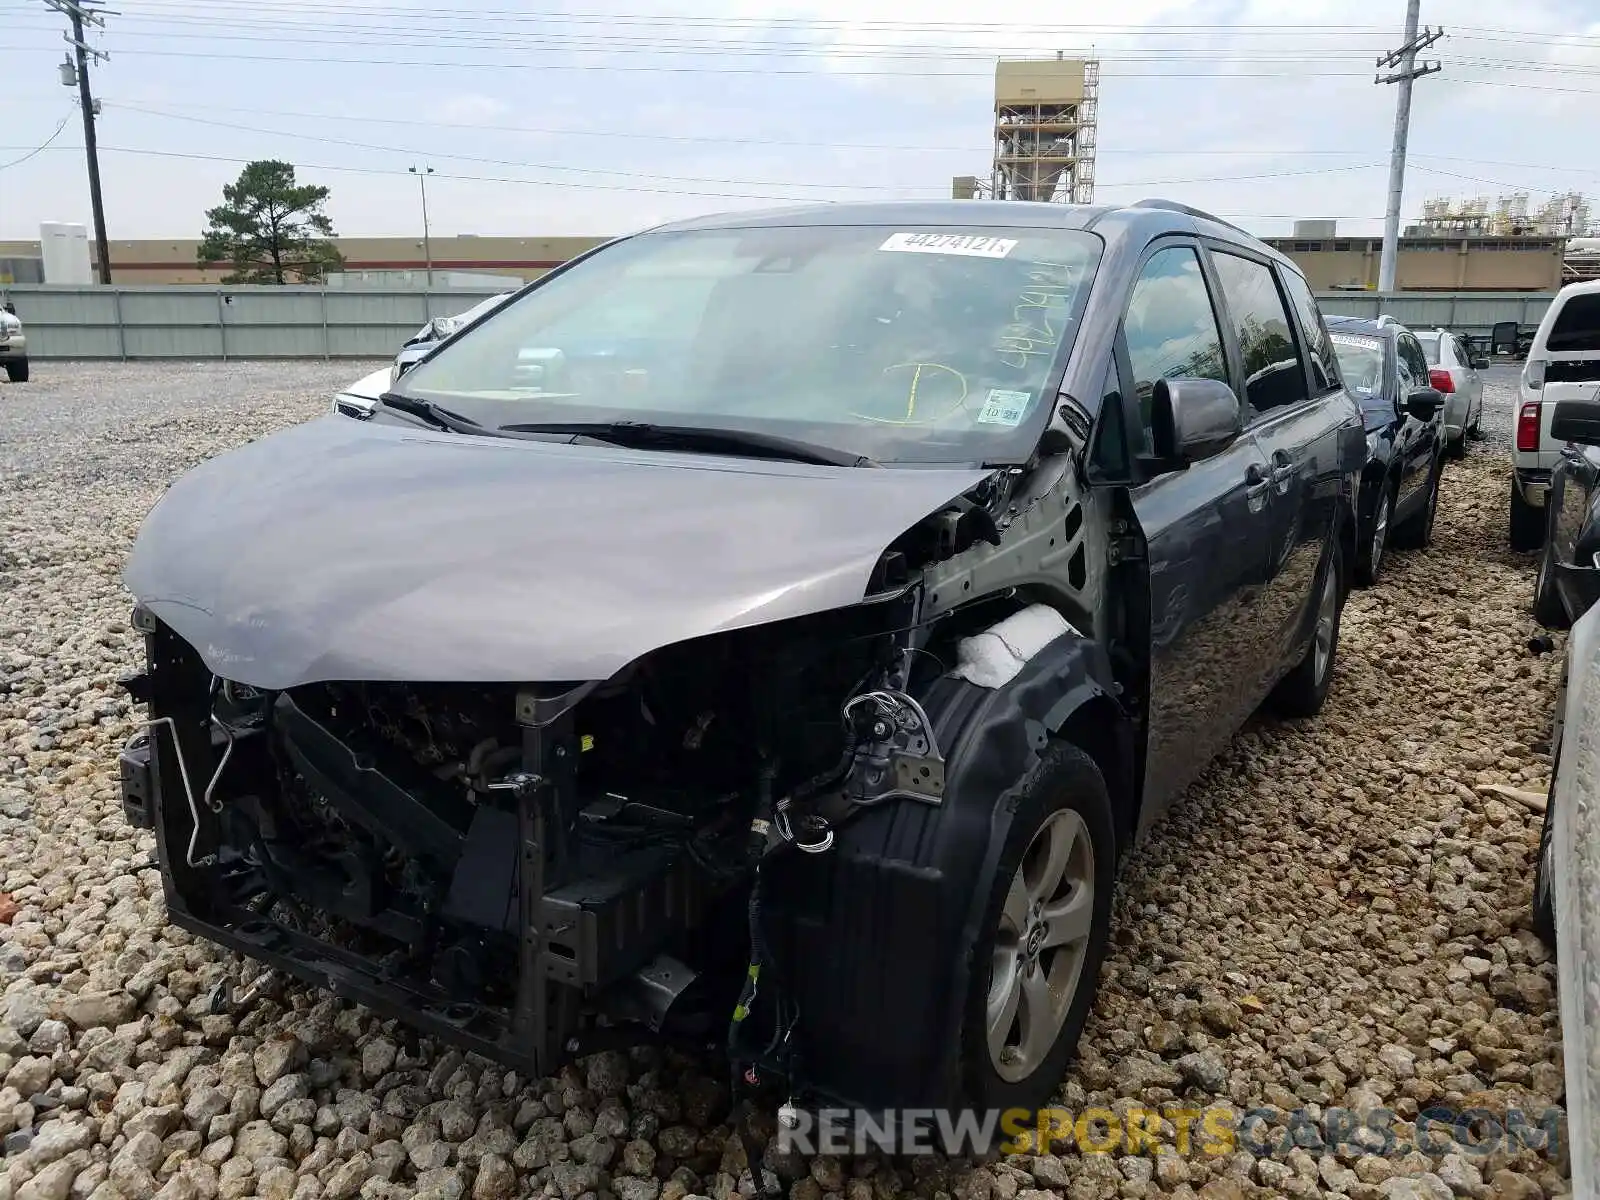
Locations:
(1435, 264)
(159, 261)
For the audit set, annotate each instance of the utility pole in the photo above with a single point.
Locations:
(1406, 59)
(79, 12)
(422, 174)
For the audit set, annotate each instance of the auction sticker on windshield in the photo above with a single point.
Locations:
(1362, 343)
(1004, 407)
(950, 243)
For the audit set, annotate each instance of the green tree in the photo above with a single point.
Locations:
(269, 228)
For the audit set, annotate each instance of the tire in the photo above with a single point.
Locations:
(17, 370)
(1544, 901)
(1063, 797)
(1416, 531)
(1547, 607)
(1458, 446)
(1369, 560)
(1526, 523)
(1304, 690)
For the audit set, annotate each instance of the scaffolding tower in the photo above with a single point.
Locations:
(1045, 111)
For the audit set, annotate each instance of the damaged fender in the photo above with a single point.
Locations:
(908, 880)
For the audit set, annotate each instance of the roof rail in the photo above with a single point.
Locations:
(1174, 206)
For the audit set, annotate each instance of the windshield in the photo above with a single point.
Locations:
(1430, 347)
(1361, 364)
(916, 345)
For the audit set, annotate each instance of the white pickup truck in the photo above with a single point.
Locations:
(1563, 364)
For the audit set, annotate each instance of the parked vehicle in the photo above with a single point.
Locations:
(790, 614)
(1566, 898)
(1453, 371)
(13, 345)
(1385, 370)
(422, 343)
(1563, 364)
(1568, 582)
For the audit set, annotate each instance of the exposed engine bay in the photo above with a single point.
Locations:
(538, 870)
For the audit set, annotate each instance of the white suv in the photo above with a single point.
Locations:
(1563, 364)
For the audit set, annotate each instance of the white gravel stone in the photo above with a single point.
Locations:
(1332, 916)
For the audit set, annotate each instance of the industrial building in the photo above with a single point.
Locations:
(1045, 118)
(1441, 262)
(163, 261)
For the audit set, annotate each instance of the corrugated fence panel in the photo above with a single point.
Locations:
(157, 321)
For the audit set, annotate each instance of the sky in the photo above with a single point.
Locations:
(598, 117)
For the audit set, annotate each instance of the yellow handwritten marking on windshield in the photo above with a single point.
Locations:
(1022, 340)
(911, 397)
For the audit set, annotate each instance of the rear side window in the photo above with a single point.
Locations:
(1273, 373)
(1170, 326)
(1577, 325)
(1413, 363)
(1320, 354)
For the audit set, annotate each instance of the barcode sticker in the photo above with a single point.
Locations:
(950, 243)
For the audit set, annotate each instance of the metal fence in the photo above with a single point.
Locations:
(174, 321)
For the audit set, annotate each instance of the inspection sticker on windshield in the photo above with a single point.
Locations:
(1004, 407)
(950, 243)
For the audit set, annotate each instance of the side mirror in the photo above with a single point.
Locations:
(1480, 362)
(1424, 403)
(1576, 421)
(1192, 419)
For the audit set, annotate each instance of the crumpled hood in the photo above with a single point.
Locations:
(343, 549)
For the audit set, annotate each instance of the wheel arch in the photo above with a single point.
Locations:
(876, 937)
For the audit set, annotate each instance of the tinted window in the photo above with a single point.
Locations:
(1577, 325)
(1273, 374)
(1170, 326)
(1319, 351)
(1413, 363)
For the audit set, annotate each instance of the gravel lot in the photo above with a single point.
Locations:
(1333, 916)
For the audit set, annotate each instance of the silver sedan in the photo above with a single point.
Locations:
(1454, 370)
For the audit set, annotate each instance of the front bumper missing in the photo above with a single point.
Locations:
(587, 948)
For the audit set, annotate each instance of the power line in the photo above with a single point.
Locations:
(41, 148)
(80, 13)
(544, 166)
(1405, 58)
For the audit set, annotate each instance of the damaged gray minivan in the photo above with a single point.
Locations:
(766, 631)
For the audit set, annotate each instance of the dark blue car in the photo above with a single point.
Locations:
(1386, 371)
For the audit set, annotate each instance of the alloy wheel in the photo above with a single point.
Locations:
(1327, 617)
(1041, 945)
(1380, 532)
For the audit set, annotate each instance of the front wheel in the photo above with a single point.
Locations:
(1304, 690)
(1370, 559)
(1044, 932)
(1544, 903)
(17, 370)
(1547, 607)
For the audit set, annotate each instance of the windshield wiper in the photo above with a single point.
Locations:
(427, 410)
(643, 433)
